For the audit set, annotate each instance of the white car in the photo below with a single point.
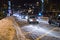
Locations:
(33, 19)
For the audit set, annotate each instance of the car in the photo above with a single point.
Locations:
(33, 19)
(55, 20)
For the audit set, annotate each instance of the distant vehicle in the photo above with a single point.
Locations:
(33, 19)
(55, 20)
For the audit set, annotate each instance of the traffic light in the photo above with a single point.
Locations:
(39, 14)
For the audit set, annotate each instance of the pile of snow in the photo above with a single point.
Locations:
(10, 30)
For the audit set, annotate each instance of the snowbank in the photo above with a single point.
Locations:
(10, 30)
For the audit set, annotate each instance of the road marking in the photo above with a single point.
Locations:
(25, 33)
(45, 34)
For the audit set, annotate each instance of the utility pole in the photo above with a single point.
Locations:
(42, 5)
(9, 8)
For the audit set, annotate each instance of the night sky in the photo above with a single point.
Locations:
(21, 2)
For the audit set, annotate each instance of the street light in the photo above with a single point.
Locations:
(37, 3)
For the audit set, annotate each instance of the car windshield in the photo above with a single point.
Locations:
(32, 17)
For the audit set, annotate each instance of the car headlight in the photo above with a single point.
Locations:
(58, 24)
(26, 17)
(30, 20)
(37, 20)
(58, 15)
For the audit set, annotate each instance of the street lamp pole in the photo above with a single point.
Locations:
(9, 8)
(42, 5)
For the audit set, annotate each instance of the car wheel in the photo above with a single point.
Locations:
(37, 22)
(49, 22)
(29, 22)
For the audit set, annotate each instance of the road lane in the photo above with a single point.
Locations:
(35, 31)
(39, 30)
(46, 33)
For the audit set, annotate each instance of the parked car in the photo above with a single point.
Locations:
(55, 20)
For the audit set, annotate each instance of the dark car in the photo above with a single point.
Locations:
(55, 20)
(32, 19)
